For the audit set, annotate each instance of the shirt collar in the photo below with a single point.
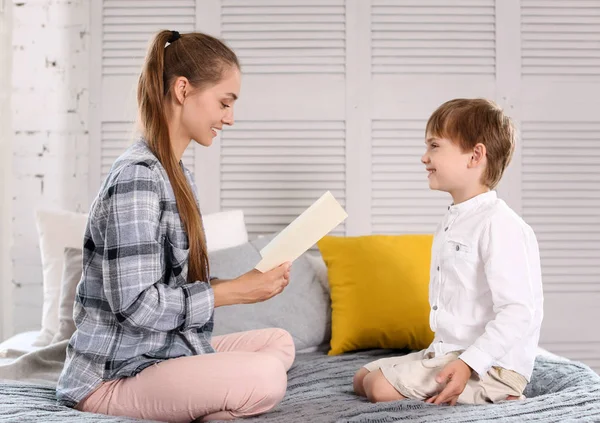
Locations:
(471, 203)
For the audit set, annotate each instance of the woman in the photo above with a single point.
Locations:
(144, 306)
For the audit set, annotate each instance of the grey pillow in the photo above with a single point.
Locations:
(72, 269)
(320, 268)
(303, 308)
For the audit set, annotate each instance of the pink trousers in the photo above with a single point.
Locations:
(247, 376)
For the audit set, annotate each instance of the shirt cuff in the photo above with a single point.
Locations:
(199, 304)
(478, 360)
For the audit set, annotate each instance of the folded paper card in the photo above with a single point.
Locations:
(304, 232)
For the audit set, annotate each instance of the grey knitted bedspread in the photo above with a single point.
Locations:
(320, 390)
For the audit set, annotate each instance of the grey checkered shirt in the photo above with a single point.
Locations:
(134, 306)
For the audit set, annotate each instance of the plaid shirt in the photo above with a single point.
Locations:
(134, 306)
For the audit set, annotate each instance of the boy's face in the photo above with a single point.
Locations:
(446, 165)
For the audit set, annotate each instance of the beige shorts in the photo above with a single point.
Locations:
(413, 375)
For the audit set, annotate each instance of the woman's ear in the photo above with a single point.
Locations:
(478, 155)
(180, 89)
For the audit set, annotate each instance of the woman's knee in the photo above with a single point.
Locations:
(271, 382)
(284, 342)
(258, 385)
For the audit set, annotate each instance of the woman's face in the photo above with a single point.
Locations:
(206, 111)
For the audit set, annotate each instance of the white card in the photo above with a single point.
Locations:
(304, 232)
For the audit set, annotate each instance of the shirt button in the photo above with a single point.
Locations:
(434, 308)
(457, 247)
(438, 268)
(445, 229)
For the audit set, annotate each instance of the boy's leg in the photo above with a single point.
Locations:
(415, 379)
(498, 385)
(379, 389)
(374, 366)
(358, 382)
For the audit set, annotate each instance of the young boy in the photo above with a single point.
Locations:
(485, 286)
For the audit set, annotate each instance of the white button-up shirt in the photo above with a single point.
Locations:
(485, 290)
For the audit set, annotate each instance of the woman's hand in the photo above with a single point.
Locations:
(252, 287)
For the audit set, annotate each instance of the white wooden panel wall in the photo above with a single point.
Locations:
(286, 36)
(433, 37)
(123, 31)
(561, 38)
(128, 25)
(6, 174)
(561, 200)
(274, 170)
(289, 143)
(423, 53)
(335, 96)
(401, 199)
(561, 166)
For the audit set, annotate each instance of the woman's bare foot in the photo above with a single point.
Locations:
(512, 398)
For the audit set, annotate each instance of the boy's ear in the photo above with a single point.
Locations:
(478, 155)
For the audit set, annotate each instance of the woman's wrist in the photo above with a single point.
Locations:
(225, 292)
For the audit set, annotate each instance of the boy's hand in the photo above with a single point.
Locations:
(455, 375)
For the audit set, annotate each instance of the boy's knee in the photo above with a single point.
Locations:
(358, 381)
(378, 389)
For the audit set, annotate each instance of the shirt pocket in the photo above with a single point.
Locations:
(177, 260)
(459, 250)
(460, 280)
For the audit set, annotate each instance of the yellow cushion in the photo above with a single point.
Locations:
(379, 291)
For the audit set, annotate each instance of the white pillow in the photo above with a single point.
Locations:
(20, 342)
(224, 230)
(60, 229)
(71, 276)
(57, 229)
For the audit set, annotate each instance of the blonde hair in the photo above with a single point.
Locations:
(202, 59)
(469, 122)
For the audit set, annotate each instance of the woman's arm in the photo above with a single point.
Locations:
(132, 267)
(251, 287)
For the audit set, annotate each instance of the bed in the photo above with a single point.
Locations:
(319, 386)
(320, 390)
(17, 345)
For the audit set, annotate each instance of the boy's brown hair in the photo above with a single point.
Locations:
(468, 122)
